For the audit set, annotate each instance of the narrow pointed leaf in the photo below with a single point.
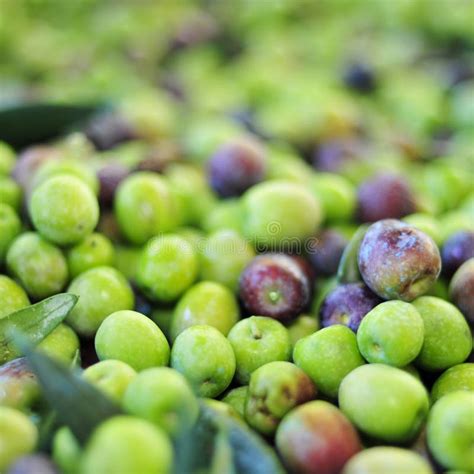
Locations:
(26, 124)
(217, 437)
(222, 462)
(35, 322)
(78, 404)
(348, 270)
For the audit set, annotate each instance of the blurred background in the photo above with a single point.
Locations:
(341, 83)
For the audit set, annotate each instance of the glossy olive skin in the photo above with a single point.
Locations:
(110, 176)
(12, 296)
(450, 431)
(108, 130)
(392, 334)
(236, 166)
(274, 285)
(458, 248)
(37, 463)
(327, 356)
(167, 267)
(39, 265)
(29, 161)
(325, 251)
(127, 444)
(101, 291)
(223, 257)
(94, 251)
(398, 261)
(143, 207)
(458, 377)
(383, 197)
(257, 341)
(360, 77)
(10, 192)
(69, 166)
(162, 396)
(18, 436)
(316, 438)
(348, 304)
(132, 338)
(384, 402)
(19, 385)
(334, 155)
(207, 303)
(206, 358)
(236, 399)
(447, 337)
(274, 390)
(461, 289)
(64, 209)
(10, 227)
(389, 460)
(278, 214)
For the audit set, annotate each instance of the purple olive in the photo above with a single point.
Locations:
(274, 285)
(33, 464)
(236, 166)
(110, 176)
(108, 130)
(347, 305)
(29, 161)
(384, 196)
(360, 77)
(398, 261)
(461, 289)
(458, 248)
(325, 251)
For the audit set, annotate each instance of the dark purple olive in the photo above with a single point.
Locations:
(384, 196)
(110, 176)
(236, 166)
(274, 285)
(461, 289)
(19, 387)
(29, 161)
(142, 304)
(108, 130)
(398, 261)
(347, 305)
(325, 251)
(108, 225)
(33, 464)
(360, 77)
(458, 248)
(306, 268)
(334, 155)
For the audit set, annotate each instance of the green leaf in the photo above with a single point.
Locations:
(222, 462)
(219, 441)
(78, 404)
(35, 322)
(348, 270)
(47, 426)
(27, 124)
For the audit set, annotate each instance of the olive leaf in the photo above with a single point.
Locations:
(48, 424)
(35, 322)
(222, 462)
(348, 270)
(26, 124)
(219, 443)
(77, 403)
